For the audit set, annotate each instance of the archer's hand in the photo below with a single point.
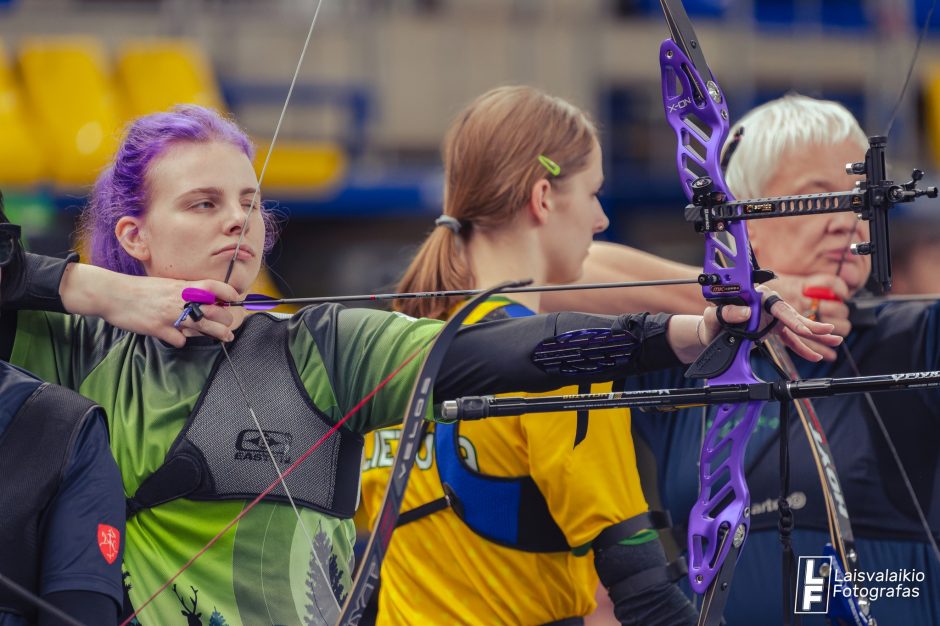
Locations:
(794, 289)
(795, 330)
(149, 306)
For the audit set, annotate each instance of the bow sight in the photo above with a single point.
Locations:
(871, 199)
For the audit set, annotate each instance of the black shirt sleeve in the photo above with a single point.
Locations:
(37, 286)
(496, 357)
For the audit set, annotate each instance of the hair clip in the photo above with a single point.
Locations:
(553, 168)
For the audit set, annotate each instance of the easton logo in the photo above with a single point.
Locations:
(250, 445)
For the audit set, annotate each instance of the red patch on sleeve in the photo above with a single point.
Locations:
(109, 542)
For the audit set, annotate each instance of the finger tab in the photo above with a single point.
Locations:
(820, 293)
(200, 296)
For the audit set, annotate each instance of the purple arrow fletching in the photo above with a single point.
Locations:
(200, 296)
(259, 302)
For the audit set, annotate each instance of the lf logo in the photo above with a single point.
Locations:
(812, 586)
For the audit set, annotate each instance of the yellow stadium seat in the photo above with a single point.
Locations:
(22, 161)
(302, 167)
(157, 74)
(70, 90)
(932, 110)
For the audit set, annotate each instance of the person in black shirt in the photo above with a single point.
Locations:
(62, 519)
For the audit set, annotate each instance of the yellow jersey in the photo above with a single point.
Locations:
(439, 571)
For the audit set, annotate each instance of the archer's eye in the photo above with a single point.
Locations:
(248, 206)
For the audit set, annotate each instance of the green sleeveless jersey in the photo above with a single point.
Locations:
(263, 570)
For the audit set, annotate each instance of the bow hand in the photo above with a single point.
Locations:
(793, 328)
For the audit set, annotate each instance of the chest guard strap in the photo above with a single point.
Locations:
(510, 511)
(220, 455)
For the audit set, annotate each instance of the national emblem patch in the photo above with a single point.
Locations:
(109, 542)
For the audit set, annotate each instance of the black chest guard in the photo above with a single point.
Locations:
(220, 455)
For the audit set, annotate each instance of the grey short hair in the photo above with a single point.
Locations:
(773, 128)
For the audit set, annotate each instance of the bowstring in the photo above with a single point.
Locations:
(910, 69)
(277, 131)
(280, 478)
(274, 485)
(876, 414)
(879, 420)
(897, 457)
(228, 275)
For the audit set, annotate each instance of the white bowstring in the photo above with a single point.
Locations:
(228, 275)
(277, 130)
(281, 478)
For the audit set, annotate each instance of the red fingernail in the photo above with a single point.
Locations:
(820, 293)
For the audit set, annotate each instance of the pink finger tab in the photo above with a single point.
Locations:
(192, 294)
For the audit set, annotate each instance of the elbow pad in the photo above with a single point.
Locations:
(639, 580)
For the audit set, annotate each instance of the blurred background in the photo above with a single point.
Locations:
(356, 171)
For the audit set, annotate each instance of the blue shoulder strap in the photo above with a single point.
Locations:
(509, 511)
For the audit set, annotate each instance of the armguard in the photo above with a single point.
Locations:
(583, 351)
(639, 580)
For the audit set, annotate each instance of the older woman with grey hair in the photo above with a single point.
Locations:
(800, 145)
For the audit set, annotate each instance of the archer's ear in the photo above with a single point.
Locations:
(128, 233)
(540, 201)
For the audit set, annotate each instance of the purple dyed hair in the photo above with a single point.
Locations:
(121, 188)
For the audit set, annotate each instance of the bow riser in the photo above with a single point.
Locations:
(697, 112)
(723, 504)
(701, 126)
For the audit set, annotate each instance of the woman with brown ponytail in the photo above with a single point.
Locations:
(512, 520)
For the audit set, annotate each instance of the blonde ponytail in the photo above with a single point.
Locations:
(491, 162)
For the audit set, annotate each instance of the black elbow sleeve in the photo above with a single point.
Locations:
(641, 584)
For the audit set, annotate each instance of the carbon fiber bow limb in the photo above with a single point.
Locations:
(853, 609)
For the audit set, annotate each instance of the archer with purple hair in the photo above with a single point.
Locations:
(121, 189)
(196, 424)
